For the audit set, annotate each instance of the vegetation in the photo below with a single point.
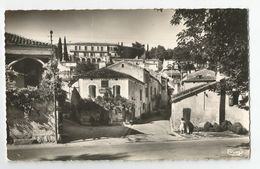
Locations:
(83, 68)
(219, 36)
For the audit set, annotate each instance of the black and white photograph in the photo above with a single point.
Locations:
(127, 84)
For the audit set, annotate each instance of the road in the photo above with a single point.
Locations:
(215, 148)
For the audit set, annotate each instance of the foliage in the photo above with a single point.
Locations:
(137, 49)
(219, 36)
(83, 68)
(24, 98)
(66, 56)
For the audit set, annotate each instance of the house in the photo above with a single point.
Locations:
(103, 81)
(202, 104)
(149, 64)
(153, 86)
(174, 80)
(21, 52)
(198, 78)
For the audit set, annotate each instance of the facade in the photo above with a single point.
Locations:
(198, 78)
(202, 104)
(149, 64)
(21, 52)
(92, 52)
(153, 86)
(98, 82)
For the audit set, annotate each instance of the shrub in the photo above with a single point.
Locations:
(238, 128)
(226, 125)
(207, 126)
(217, 128)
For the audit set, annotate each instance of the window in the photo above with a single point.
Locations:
(92, 48)
(76, 47)
(146, 92)
(83, 60)
(122, 65)
(88, 60)
(141, 95)
(85, 54)
(151, 91)
(101, 48)
(86, 48)
(92, 91)
(98, 60)
(154, 91)
(116, 90)
(79, 47)
(93, 60)
(98, 48)
(104, 83)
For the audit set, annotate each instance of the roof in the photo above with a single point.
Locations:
(13, 39)
(172, 73)
(192, 91)
(106, 74)
(129, 63)
(93, 43)
(203, 75)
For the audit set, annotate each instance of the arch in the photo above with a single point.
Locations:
(98, 60)
(93, 60)
(88, 60)
(18, 60)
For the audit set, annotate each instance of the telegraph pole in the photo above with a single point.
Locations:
(54, 92)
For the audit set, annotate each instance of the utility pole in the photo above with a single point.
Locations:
(54, 92)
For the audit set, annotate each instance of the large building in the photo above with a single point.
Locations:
(21, 52)
(92, 52)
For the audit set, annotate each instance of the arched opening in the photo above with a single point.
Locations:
(30, 72)
(98, 60)
(93, 60)
(88, 60)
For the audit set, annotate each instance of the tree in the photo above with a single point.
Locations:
(66, 56)
(83, 68)
(219, 36)
(59, 50)
(138, 49)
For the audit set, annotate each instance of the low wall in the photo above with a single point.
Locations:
(38, 126)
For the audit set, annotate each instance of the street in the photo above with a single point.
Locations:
(215, 148)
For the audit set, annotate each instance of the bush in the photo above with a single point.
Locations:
(217, 128)
(207, 126)
(226, 125)
(238, 128)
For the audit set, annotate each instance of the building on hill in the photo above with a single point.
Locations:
(149, 64)
(153, 86)
(197, 78)
(92, 52)
(21, 52)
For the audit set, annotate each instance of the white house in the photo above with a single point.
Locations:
(98, 82)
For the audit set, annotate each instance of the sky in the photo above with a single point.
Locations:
(146, 26)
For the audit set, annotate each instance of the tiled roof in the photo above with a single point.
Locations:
(106, 74)
(192, 91)
(203, 75)
(12, 39)
(93, 43)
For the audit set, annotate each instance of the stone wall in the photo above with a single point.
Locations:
(36, 127)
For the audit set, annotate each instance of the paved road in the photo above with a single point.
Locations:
(227, 148)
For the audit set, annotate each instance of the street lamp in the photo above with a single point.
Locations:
(54, 91)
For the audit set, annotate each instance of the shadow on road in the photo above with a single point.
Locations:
(75, 132)
(88, 157)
